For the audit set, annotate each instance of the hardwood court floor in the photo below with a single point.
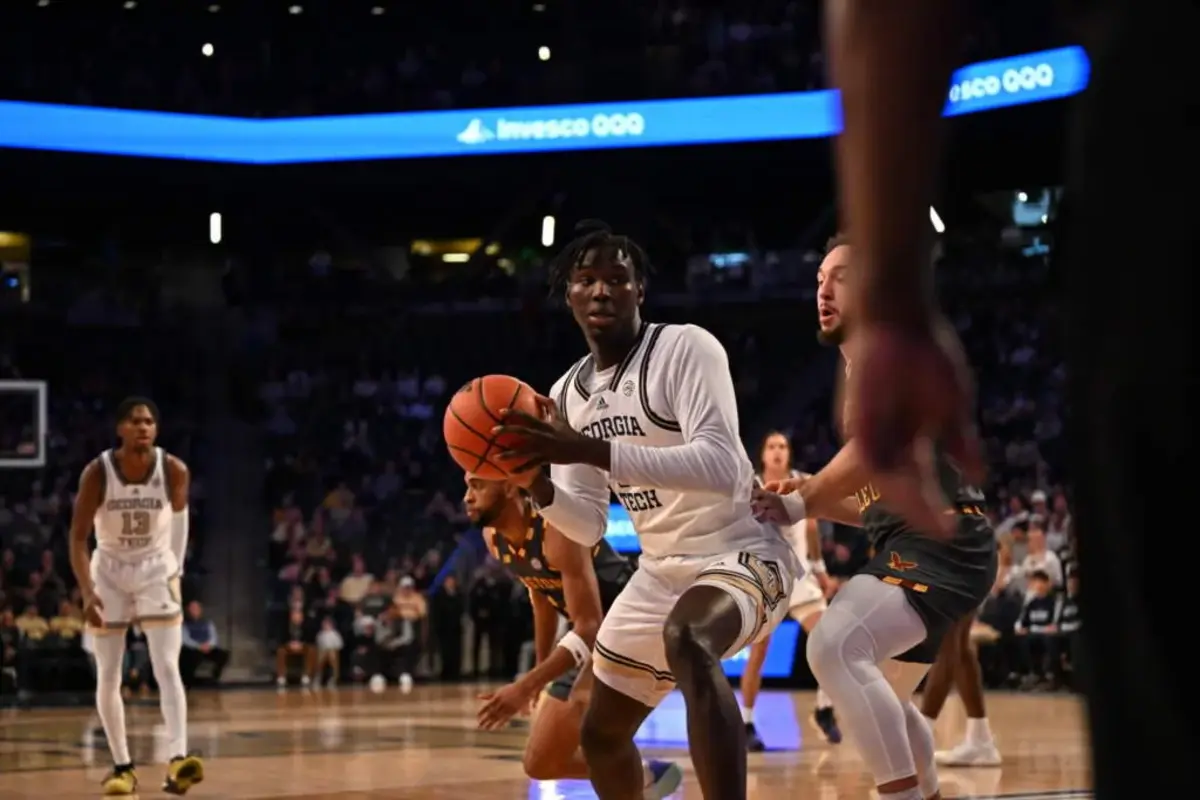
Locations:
(349, 744)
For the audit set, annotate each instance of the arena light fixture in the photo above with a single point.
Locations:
(207, 50)
(543, 53)
(548, 231)
(936, 220)
(214, 227)
(377, 11)
(295, 10)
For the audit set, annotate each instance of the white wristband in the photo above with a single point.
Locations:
(574, 644)
(793, 504)
(818, 566)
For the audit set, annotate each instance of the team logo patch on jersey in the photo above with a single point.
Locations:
(602, 404)
(536, 563)
(627, 389)
(897, 563)
(157, 482)
(766, 576)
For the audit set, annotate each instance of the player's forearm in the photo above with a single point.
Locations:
(545, 626)
(827, 494)
(892, 63)
(698, 466)
(81, 560)
(557, 664)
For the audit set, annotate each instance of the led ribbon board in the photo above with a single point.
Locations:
(1019, 80)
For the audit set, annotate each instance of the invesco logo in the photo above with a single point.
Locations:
(1024, 79)
(601, 125)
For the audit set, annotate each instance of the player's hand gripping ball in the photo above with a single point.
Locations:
(474, 411)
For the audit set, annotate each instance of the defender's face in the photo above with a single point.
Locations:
(604, 293)
(138, 430)
(833, 294)
(484, 499)
(777, 452)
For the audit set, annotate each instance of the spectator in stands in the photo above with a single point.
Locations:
(32, 625)
(1037, 631)
(68, 623)
(10, 639)
(138, 673)
(297, 642)
(1041, 559)
(377, 600)
(396, 648)
(1070, 624)
(200, 646)
(1058, 524)
(329, 652)
(357, 583)
(447, 613)
(364, 658)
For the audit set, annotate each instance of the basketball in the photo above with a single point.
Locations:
(473, 412)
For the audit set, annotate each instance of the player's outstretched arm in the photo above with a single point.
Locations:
(704, 406)
(827, 495)
(87, 503)
(582, 593)
(179, 480)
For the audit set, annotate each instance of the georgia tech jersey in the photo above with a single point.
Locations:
(639, 402)
(135, 518)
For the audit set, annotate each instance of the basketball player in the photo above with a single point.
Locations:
(883, 629)
(564, 579)
(650, 413)
(805, 605)
(136, 497)
(957, 665)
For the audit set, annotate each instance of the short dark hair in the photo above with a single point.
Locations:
(1039, 575)
(125, 409)
(837, 240)
(593, 234)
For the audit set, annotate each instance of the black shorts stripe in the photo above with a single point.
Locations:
(625, 661)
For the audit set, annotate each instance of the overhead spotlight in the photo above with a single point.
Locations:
(544, 53)
(214, 8)
(130, 5)
(377, 11)
(547, 231)
(538, 7)
(43, 3)
(214, 227)
(295, 10)
(936, 220)
(207, 50)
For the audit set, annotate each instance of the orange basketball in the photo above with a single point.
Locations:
(473, 412)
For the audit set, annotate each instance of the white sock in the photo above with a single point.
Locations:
(109, 650)
(747, 715)
(904, 794)
(823, 700)
(978, 731)
(164, 643)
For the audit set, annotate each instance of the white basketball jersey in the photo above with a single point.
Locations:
(632, 402)
(135, 518)
(797, 535)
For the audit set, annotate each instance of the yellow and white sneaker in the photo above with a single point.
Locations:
(121, 781)
(183, 773)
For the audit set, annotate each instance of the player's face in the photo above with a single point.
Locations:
(604, 293)
(484, 500)
(139, 430)
(832, 295)
(777, 452)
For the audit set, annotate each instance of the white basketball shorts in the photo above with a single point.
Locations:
(144, 590)
(630, 654)
(807, 598)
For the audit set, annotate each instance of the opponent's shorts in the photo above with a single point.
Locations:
(144, 590)
(630, 654)
(564, 685)
(806, 599)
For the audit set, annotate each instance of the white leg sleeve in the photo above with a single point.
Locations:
(164, 643)
(868, 623)
(109, 652)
